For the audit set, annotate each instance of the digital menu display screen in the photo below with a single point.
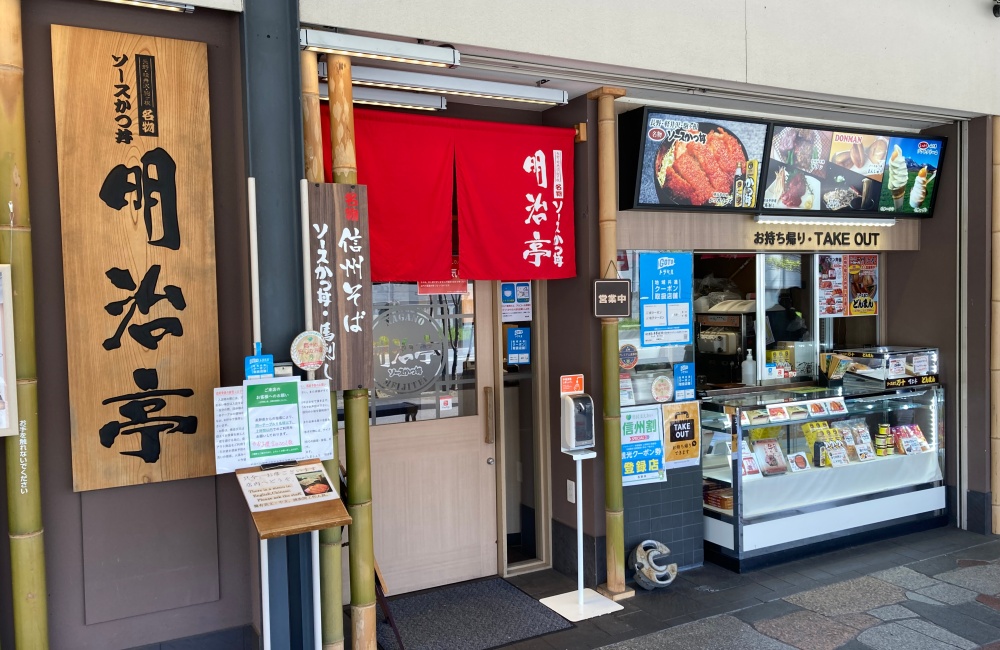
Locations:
(841, 171)
(698, 162)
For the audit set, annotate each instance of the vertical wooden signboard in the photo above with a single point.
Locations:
(135, 195)
(341, 285)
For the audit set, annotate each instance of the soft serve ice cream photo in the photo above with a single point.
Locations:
(910, 173)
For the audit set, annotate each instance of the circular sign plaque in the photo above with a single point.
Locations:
(308, 351)
(628, 356)
(408, 351)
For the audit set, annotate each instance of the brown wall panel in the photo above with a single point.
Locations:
(62, 508)
(922, 301)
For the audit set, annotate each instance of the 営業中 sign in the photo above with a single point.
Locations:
(612, 298)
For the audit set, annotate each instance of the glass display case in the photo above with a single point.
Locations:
(890, 366)
(798, 467)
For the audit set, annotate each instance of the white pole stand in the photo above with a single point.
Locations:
(583, 603)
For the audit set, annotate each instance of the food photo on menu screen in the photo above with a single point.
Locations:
(690, 161)
(830, 171)
(910, 175)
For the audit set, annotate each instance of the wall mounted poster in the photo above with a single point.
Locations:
(840, 171)
(699, 161)
(642, 445)
(848, 285)
(666, 310)
(136, 203)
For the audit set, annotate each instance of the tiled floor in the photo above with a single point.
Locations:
(938, 589)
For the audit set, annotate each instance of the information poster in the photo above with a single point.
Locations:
(642, 445)
(273, 419)
(232, 431)
(665, 308)
(515, 302)
(681, 444)
(287, 486)
(700, 161)
(519, 345)
(848, 285)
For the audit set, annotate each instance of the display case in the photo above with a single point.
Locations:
(890, 366)
(796, 468)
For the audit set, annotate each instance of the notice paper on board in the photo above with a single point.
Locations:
(233, 435)
(285, 487)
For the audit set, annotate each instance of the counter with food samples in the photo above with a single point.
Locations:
(793, 467)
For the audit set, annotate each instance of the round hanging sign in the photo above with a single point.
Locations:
(308, 351)
(628, 356)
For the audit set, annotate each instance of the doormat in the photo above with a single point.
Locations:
(468, 616)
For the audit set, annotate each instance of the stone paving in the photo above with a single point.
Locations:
(900, 607)
(928, 591)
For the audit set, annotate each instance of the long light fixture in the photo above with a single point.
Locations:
(164, 5)
(797, 220)
(391, 98)
(432, 83)
(377, 48)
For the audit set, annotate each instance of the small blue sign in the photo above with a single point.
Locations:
(258, 366)
(507, 293)
(683, 382)
(519, 345)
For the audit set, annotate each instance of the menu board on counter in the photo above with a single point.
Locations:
(848, 285)
(821, 170)
(690, 161)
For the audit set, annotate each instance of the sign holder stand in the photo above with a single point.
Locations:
(583, 603)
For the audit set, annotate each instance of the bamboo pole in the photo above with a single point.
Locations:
(330, 539)
(24, 516)
(361, 552)
(614, 511)
(995, 333)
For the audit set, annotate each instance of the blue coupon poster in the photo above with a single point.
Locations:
(519, 345)
(683, 382)
(642, 445)
(666, 310)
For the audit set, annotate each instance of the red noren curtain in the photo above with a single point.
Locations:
(514, 187)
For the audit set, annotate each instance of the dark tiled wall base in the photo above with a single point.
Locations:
(237, 638)
(980, 511)
(564, 554)
(669, 512)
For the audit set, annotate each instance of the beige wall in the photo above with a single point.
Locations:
(924, 53)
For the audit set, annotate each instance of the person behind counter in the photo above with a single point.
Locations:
(785, 318)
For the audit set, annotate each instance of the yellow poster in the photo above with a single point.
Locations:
(681, 435)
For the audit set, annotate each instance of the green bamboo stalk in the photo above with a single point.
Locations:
(361, 553)
(330, 539)
(614, 512)
(24, 504)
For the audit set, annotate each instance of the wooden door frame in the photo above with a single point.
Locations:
(541, 424)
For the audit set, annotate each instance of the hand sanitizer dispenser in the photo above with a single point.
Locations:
(577, 422)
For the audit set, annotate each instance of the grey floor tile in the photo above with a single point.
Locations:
(854, 645)
(892, 612)
(906, 578)
(772, 609)
(955, 619)
(718, 633)
(939, 633)
(983, 579)
(893, 636)
(920, 598)
(989, 551)
(950, 594)
(934, 565)
(980, 612)
(849, 597)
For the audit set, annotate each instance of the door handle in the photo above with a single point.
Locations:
(490, 436)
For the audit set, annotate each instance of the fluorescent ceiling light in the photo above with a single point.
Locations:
(392, 98)
(797, 220)
(433, 83)
(165, 5)
(377, 48)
